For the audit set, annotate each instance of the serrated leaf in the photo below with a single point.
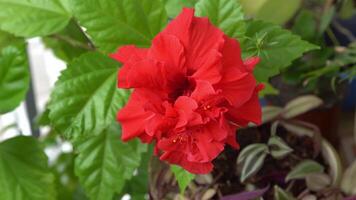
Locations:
(69, 43)
(270, 113)
(301, 105)
(174, 7)
(104, 163)
(29, 18)
(278, 148)
(280, 194)
(225, 14)
(85, 98)
(24, 172)
(137, 186)
(303, 169)
(113, 23)
(182, 176)
(276, 47)
(252, 158)
(14, 76)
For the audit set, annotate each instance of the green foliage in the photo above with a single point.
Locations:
(105, 162)
(174, 7)
(301, 105)
(303, 169)
(14, 76)
(276, 47)
(30, 18)
(85, 98)
(225, 14)
(251, 158)
(68, 43)
(113, 23)
(24, 172)
(280, 194)
(278, 148)
(137, 186)
(305, 25)
(274, 11)
(182, 176)
(7, 39)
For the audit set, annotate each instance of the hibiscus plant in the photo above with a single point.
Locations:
(161, 99)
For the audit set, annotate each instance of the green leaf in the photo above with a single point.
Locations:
(280, 194)
(333, 160)
(285, 10)
(268, 90)
(278, 148)
(68, 44)
(113, 23)
(225, 14)
(30, 18)
(270, 113)
(276, 47)
(85, 98)
(7, 39)
(317, 181)
(105, 162)
(137, 186)
(252, 158)
(14, 76)
(182, 176)
(349, 180)
(174, 7)
(24, 172)
(326, 19)
(305, 25)
(301, 105)
(303, 169)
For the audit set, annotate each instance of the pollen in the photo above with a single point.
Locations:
(207, 107)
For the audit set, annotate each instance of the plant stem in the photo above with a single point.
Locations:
(72, 42)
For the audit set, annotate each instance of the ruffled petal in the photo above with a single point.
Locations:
(203, 90)
(197, 35)
(248, 112)
(168, 49)
(186, 107)
(133, 117)
(210, 69)
(180, 158)
(129, 52)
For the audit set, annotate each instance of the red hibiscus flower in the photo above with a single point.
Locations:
(192, 91)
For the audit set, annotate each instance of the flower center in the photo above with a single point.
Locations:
(183, 87)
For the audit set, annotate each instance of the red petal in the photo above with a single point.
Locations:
(203, 90)
(186, 107)
(132, 117)
(208, 148)
(129, 52)
(179, 158)
(210, 69)
(249, 112)
(232, 55)
(168, 49)
(181, 26)
(197, 35)
(250, 63)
